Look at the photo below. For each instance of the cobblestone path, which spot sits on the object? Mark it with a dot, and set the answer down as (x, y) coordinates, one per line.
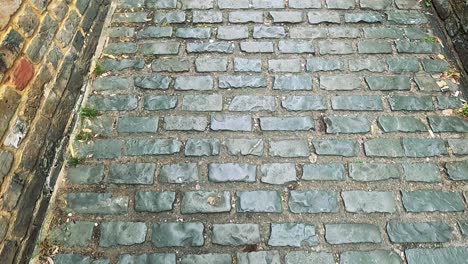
(268, 131)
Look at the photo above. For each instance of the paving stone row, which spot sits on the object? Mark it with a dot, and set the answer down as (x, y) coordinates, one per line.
(269, 131)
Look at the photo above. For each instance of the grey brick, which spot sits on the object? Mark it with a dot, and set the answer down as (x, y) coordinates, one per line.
(321, 64)
(411, 103)
(244, 147)
(185, 123)
(96, 203)
(307, 33)
(202, 147)
(304, 103)
(388, 83)
(160, 48)
(344, 82)
(292, 235)
(197, 4)
(329, 147)
(147, 258)
(406, 17)
(364, 17)
(212, 102)
(376, 256)
(380, 147)
(162, 17)
(178, 234)
(293, 82)
(218, 47)
(122, 233)
(357, 103)
(178, 173)
(450, 124)
(305, 4)
(199, 83)
(142, 147)
(203, 16)
(235, 234)
(231, 122)
(247, 65)
(259, 202)
(232, 32)
(421, 172)
(246, 17)
(111, 83)
(171, 65)
(383, 32)
(278, 173)
(336, 234)
(161, 4)
(432, 201)
(292, 47)
(258, 257)
(154, 202)
(403, 46)
(159, 102)
(399, 65)
(286, 123)
(256, 47)
(374, 47)
(312, 202)
(154, 81)
(233, 4)
(228, 172)
(252, 103)
(132, 173)
(341, 4)
(284, 65)
(286, 16)
(422, 147)
(437, 255)
(207, 259)
(193, 33)
(401, 124)
(457, 171)
(320, 16)
(335, 47)
(242, 81)
(208, 64)
(347, 124)
(113, 103)
(268, 3)
(323, 172)
(424, 232)
(458, 146)
(309, 257)
(269, 32)
(369, 202)
(365, 172)
(205, 202)
(86, 174)
(155, 32)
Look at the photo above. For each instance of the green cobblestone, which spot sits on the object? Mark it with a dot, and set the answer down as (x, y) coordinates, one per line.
(178, 234)
(289, 148)
(140, 147)
(390, 148)
(205, 202)
(344, 148)
(388, 83)
(421, 172)
(458, 146)
(432, 201)
(137, 125)
(202, 147)
(245, 147)
(365, 172)
(132, 173)
(154, 201)
(401, 124)
(122, 233)
(313, 202)
(147, 258)
(411, 103)
(96, 203)
(259, 202)
(178, 173)
(323, 172)
(425, 232)
(207, 259)
(336, 234)
(272, 257)
(278, 173)
(224, 172)
(415, 147)
(449, 124)
(375, 256)
(347, 124)
(152, 82)
(85, 174)
(293, 235)
(436, 255)
(309, 257)
(357, 103)
(369, 202)
(457, 171)
(304, 103)
(236, 234)
(317, 17)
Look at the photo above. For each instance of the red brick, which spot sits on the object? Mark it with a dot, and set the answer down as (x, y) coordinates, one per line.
(22, 73)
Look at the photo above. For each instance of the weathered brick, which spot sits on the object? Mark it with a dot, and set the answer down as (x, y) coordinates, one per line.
(259, 202)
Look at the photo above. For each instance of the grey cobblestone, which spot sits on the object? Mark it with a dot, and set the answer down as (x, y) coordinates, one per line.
(293, 235)
(259, 202)
(160, 102)
(177, 234)
(352, 233)
(211, 64)
(313, 202)
(236, 234)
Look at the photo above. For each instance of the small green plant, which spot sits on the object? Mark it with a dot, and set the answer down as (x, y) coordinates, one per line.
(98, 70)
(75, 161)
(463, 111)
(88, 112)
(430, 39)
(428, 3)
(84, 136)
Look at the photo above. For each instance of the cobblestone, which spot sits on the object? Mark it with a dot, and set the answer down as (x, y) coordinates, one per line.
(255, 132)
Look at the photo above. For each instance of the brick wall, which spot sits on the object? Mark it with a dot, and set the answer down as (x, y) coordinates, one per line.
(46, 48)
(454, 13)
